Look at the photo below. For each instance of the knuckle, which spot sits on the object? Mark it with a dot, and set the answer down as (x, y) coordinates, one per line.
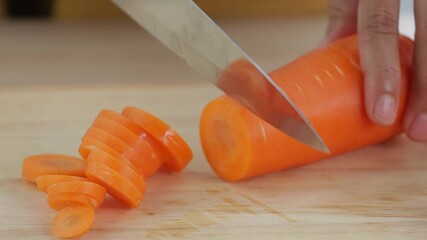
(387, 78)
(390, 72)
(383, 22)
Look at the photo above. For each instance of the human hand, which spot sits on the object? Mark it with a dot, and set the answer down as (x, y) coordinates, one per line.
(377, 22)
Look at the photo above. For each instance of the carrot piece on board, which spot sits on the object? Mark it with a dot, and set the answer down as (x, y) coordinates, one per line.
(108, 139)
(149, 160)
(43, 182)
(130, 154)
(327, 86)
(88, 144)
(73, 221)
(178, 152)
(93, 190)
(117, 186)
(45, 164)
(119, 118)
(59, 201)
(117, 165)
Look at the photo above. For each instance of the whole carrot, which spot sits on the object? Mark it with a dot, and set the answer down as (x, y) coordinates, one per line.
(327, 86)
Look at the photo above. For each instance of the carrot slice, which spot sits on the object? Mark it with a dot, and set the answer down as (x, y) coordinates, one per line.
(73, 221)
(108, 139)
(89, 143)
(179, 153)
(117, 165)
(45, 164)
(149, 160)
(43, 182)
(327, 86)
(117, 117)
(117, 185)
(120, 148)
(126, 152)
(93, 190)
(59, 201)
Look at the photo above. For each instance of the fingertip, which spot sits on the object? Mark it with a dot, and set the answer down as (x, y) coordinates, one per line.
(417, 128)
(385, 109)
(382, 98)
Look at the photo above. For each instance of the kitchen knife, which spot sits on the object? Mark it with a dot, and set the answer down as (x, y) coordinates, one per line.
(186, 30)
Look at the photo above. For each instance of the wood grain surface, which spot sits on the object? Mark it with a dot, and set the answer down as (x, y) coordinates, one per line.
(378, 192)
(375, 193)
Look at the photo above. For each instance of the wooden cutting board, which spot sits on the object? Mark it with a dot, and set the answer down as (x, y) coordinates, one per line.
(376, 193)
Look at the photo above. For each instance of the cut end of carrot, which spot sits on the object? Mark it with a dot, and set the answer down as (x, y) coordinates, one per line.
(73, 221)
(46, 164)
(178, 153)
(225, 139)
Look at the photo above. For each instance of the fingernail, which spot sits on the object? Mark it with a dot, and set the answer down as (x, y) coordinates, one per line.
(418, 129)
(385, 109)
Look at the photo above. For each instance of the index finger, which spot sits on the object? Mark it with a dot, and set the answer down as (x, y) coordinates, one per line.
(379, 56)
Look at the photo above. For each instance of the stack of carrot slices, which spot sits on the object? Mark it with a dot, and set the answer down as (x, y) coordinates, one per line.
(119, 151)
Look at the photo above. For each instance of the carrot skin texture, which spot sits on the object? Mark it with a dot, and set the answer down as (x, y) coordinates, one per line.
(327, 86)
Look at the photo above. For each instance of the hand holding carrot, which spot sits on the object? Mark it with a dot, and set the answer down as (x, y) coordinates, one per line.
(377, 25)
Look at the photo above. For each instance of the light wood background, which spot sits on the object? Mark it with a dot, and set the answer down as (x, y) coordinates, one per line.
(376, 193)
(66, 9)
(104, 9)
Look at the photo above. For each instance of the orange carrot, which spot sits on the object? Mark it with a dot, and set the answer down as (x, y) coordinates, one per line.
(119, 118)
(43, 182)
(149, 160)
(118, 154)
(117, 186)
(327, 86)
(59, 201)
(89, 144)
(140, 158)
(178, 152)
(117, 165)
(46, 164)
(93, 190)
(108, 139)
(73, 221)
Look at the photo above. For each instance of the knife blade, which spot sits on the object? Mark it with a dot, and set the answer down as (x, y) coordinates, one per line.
(186, 30)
